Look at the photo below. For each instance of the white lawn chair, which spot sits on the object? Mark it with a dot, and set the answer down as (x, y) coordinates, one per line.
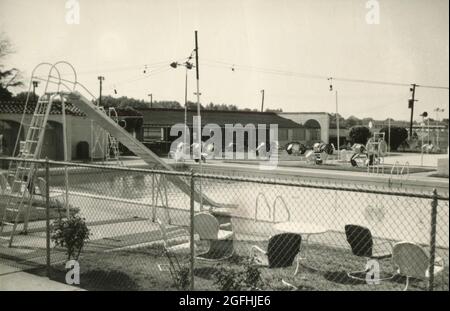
(175, 241)
(413, 262)
(220, 241)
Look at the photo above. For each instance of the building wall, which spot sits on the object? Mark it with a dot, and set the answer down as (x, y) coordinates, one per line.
(302, 117)
(78, 130)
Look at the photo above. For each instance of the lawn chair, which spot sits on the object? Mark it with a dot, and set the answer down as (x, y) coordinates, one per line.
(281, 252)
(413, 262)
(220, 240)
(362, 245)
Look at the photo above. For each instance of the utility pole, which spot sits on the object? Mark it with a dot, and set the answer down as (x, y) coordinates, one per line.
(151, 100)
(337, 127)
(100, 78)
(411, 106)
(199, 133)
(262, 101)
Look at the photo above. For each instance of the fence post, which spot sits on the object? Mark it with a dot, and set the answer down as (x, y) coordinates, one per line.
(191, 232)
(434, 204)
(47, 215)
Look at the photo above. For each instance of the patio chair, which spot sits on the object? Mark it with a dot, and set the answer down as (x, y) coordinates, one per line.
(220, 241)
(174, 241)
(281, 251)
(413, 262)
(362, 244)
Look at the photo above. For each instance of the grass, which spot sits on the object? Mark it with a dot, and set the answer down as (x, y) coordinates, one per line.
(137, 269)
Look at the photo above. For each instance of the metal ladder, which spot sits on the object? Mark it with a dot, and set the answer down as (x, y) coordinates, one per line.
(271, 209)
(22, 174)
(113, 143)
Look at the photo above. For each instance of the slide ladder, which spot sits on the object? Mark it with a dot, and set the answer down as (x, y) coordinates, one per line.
(22, 174)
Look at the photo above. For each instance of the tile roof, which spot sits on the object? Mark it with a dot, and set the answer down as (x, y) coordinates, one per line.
(14, 107)
(169, 117)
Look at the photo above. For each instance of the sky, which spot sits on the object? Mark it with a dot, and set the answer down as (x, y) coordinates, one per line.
(263, 40)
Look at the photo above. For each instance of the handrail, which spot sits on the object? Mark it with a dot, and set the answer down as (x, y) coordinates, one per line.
(406, 165)
(279, 197)
(261, 194)
(396, 165)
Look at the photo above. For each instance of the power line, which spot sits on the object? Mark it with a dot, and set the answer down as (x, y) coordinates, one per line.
(233, 67)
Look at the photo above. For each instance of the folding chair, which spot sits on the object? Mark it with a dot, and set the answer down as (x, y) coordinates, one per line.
(220, 241)
(281, 251)
(413, 262)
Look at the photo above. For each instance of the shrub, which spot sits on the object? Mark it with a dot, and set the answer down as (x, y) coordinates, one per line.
(359, 134)
(182, 278)
(398, 136)
(70, 233)
(246, 278)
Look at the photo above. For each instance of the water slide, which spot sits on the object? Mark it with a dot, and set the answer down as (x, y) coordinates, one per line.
(135, 146)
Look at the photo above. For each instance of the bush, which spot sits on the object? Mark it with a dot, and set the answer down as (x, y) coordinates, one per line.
(70, 233)
(398, 136)
(246, 278)
(359, 134)
(182, 278)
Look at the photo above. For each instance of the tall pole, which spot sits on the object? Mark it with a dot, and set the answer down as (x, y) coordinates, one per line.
(185, 111)
(199, 133)
(35, 85)
(389, 134)
(411, 106)
(337, 126)
(262, 101)
(151, 100)
(100, 79)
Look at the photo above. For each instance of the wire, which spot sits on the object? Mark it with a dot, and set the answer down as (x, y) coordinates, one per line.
(312, 76)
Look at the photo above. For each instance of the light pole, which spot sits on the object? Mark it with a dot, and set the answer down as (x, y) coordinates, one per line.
(423, 115)
(337, 118)
(100, 79)
(438, 110)
(188, 66)
(262, 101)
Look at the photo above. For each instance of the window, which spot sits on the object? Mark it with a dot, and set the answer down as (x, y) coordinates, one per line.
(298, 134)
(282, 134)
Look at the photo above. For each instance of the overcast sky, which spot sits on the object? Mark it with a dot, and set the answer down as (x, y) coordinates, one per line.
(117, 38)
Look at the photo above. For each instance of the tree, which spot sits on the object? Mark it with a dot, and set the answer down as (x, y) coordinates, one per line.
(22, 97)
(8, 77)
(359, 134)
(397, 137)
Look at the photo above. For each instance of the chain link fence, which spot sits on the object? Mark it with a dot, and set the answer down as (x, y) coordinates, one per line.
(151, 230)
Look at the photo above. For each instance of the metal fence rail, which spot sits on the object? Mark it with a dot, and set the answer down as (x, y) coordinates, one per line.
(147, 234)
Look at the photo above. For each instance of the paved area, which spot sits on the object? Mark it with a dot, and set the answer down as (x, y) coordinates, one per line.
(13, 279)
